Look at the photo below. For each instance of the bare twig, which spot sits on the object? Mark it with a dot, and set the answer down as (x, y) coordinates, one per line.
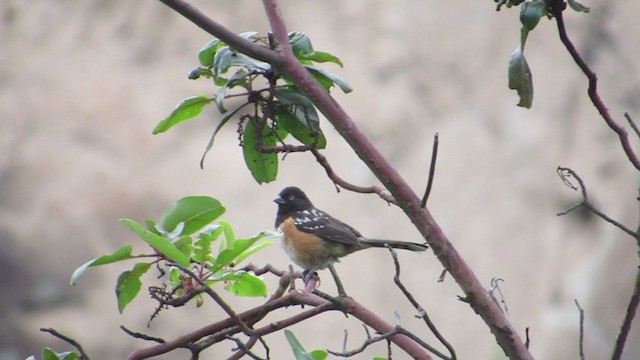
(232, 314)
(557, 7)
(633, 124)
(432, 171)
(566, 174)
(527, 341)
(339, 182)
(581, 340)
(421, 312)
(83, 354)
(634, 302)
(141, 336)
(243, 349)
(370, 340)
(495, 289)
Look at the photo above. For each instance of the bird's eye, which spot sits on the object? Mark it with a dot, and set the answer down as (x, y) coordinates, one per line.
(291, 197)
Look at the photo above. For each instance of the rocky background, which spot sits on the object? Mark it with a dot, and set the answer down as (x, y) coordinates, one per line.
(83, 83)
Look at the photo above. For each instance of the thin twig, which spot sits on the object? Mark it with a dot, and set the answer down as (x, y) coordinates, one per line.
(565, 174)
(527, 341)
(432, 171)
(421, 312)
(370, 340)
(243, 349)
(142, 336)
(232, 314)
(495, 288)
(339, 182)
(83, 354)
(625, 328)
(557, 7)
(632, 124)
(581, 341)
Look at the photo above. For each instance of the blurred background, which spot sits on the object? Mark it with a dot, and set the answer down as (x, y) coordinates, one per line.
(82, 84)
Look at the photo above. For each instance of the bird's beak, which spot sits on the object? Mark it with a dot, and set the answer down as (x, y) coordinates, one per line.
(279, 200)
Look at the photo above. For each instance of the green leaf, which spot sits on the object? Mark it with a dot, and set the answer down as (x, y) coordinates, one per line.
(520, 78)
(123, 253)
(229, 235)
(300, 44)
(380, 358)
(319, 354)
(531, 12)
(222, 61)
(185, 245)
(263, 166)
(129, 284)
(49, 354)
(151, 226)
(208, 52)
(242, 283)
(161, 244)
(187, 109)
(286, 120)
(194, 211)
(236, 78)
(322, 57)
(300, 106)
(222, 122)
(229, 255)
(576, 6)
(252, 250)
(298, 351)
(202, 250)
(344, 86)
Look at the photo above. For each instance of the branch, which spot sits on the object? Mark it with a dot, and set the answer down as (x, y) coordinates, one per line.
(83, 355)
(566, 174)
(557, 7)
(479, 300)
(285, 62)
(628, 319)
(421, 312)
(224, 34)
(370, 340)
(338, 181)
(432, 171)
(581, 341)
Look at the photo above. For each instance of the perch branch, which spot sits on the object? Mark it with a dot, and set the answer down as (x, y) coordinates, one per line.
(581, 341)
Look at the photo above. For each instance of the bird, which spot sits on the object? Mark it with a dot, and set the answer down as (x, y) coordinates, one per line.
(314, 240)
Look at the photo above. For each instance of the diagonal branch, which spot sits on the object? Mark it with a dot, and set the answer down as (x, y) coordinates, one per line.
(505, 334)
(223, 33)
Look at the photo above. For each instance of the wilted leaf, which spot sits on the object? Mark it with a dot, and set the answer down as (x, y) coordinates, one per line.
(520, 78)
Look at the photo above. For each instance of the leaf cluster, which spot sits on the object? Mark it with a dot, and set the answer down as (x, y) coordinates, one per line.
(520, 77)
(271, 107)
(184, 238)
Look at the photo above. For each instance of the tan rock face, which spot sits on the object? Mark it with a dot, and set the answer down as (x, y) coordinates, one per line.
(82, 85)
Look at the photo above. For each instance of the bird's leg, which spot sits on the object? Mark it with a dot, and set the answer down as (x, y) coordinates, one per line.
(341, 291)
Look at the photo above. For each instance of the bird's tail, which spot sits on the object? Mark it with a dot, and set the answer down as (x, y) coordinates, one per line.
(403, 245)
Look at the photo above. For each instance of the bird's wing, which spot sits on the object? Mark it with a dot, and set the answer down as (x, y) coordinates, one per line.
(325, 226)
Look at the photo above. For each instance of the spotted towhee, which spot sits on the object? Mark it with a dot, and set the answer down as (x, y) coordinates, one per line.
(314, 239)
